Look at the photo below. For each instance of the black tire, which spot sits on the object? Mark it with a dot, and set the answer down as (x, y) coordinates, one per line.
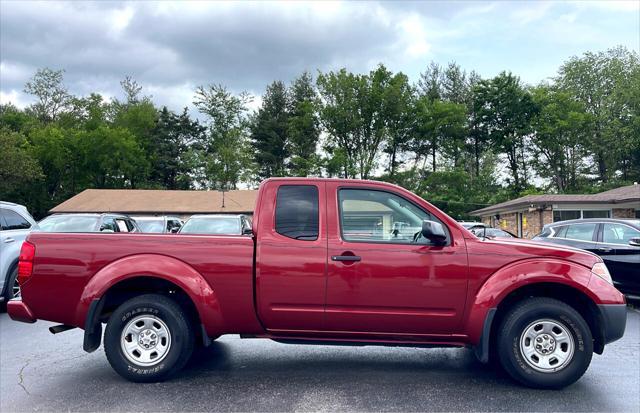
(180, 339)
(8, 288)
(524, 317)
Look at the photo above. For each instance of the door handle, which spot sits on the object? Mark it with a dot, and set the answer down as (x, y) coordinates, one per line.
(352, 258)
(604, 249)
(8, 240)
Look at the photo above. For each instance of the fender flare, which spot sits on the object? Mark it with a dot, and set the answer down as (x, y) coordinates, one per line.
(155, 266)
(511, 278)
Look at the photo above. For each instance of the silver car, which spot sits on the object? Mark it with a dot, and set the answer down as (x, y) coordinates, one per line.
(15, 224)
(217, 224)
(158, 224)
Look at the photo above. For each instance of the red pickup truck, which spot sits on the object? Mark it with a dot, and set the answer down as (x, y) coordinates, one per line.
(328, 262)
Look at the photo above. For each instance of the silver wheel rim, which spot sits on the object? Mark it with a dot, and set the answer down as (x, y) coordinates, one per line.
(547, 345)
(145, 340)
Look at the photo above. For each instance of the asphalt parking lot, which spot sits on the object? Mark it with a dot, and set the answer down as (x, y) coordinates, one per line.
(43, 372)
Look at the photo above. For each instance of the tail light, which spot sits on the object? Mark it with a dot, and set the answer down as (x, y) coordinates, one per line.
(25, 263)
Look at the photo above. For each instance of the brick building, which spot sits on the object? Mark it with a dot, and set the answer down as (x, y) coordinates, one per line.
(527, 215)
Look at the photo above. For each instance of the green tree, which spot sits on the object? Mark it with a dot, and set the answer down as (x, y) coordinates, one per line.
(602, 82)
(430, 82)
(113, 158)
(18, 169)
(304, 127)
(560, 129)
(504, 109)
(225, 157)
(399, 102)
(51, 94)
(172, 139)
(353, 116)
(269, 132)
(441, 130)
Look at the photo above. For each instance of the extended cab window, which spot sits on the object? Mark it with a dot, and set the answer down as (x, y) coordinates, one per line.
(378, 216)
(297, 212)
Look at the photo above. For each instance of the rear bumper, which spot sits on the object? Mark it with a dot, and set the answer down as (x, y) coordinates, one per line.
(614, 321)
(19, 311)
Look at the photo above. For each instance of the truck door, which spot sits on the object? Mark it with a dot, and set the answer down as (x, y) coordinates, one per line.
(383, 277)
(291, 256)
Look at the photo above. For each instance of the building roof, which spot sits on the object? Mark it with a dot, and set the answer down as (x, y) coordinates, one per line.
(145, 201)
(628, 193)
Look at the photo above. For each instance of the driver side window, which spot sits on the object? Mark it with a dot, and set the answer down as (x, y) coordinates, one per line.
(378, 216)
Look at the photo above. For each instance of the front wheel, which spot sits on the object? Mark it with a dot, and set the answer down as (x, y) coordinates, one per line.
(544, 343)
(148, 338)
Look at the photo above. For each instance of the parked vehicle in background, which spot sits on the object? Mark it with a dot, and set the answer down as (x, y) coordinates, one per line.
(158, 224)
(329, 261)
(88, 223)
(617, 241)
(471, 224)
(488, 232)
(15, 224)
(217, 224)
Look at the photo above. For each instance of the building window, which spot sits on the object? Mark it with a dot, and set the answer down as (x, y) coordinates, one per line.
(637, 213)
(566, 214)
(595, 213)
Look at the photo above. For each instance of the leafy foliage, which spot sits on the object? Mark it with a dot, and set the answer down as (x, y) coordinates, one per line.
(460, 141)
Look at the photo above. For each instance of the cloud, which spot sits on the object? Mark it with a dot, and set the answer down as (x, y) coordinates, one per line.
(172, 47)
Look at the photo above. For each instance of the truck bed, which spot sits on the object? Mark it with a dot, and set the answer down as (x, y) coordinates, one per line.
(66, 263)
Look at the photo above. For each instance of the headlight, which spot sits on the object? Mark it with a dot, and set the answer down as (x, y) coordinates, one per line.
(601, 271)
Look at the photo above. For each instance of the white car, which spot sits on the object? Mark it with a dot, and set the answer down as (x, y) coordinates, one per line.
(15, 224)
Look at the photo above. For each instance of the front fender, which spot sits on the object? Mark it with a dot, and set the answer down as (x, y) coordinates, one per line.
(159, 266)
(517, 275)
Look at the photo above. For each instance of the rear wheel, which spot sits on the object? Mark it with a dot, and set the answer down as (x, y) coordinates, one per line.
(11, 288)
(544, 343)
(148, 338)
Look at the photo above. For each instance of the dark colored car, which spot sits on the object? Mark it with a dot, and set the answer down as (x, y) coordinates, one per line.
(88, 223)
(617, 241)
(158, 224)
(488, 232)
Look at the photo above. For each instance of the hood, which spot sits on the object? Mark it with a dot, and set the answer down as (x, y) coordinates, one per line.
(516, 247)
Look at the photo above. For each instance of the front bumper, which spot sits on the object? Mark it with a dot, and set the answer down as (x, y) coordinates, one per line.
(614, 321)
(19, 311)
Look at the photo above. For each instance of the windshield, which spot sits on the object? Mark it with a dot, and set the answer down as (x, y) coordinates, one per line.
(151, 225)
(68, 223)
(211, 225)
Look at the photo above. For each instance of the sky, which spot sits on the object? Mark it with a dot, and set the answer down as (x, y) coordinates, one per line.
(170, 48)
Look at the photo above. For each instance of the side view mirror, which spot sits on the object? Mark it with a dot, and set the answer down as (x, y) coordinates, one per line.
(635, 242)
(106, 230)
(174, 230)
(434, 231)
(247, 231)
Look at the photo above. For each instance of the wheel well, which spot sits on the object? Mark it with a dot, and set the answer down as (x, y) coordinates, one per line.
(132, 287)
(568, 295)
(10, 270)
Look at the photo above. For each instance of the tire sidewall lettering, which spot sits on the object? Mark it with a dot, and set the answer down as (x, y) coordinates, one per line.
(146, 310)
